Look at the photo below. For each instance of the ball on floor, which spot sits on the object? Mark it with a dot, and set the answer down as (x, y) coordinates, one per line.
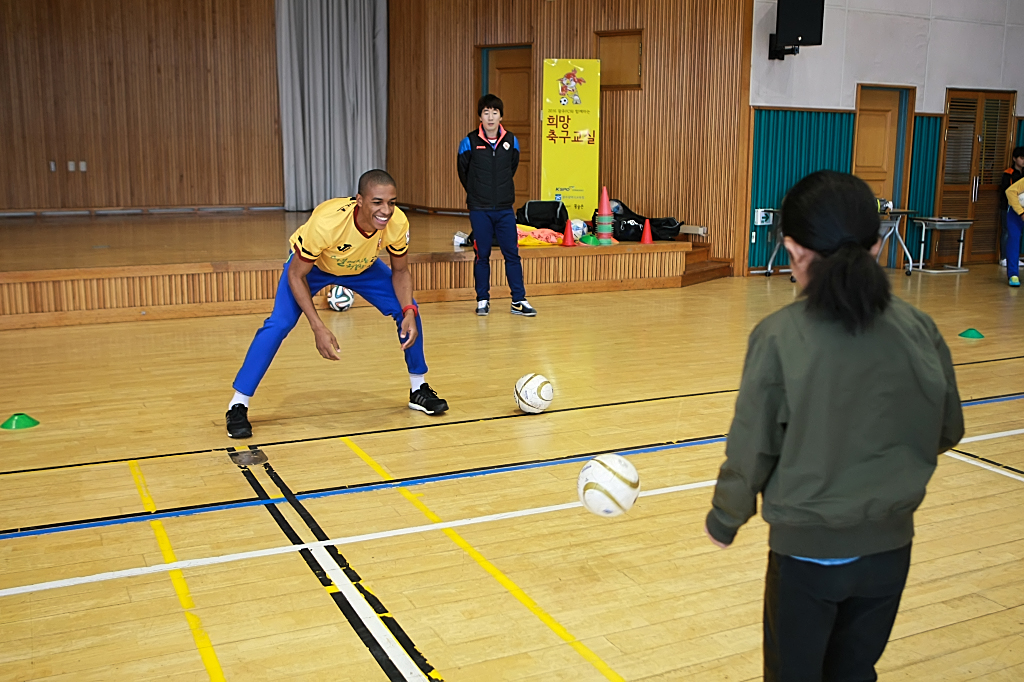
(533, 393)
(608, 485)
(339, 298)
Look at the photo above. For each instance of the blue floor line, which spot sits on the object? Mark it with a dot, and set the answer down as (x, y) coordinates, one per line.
(347, 491)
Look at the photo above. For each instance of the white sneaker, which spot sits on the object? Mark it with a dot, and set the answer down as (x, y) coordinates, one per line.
(1002, 263)
(483, 308)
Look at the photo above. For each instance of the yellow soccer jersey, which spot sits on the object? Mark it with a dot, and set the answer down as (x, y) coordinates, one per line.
(332, 241)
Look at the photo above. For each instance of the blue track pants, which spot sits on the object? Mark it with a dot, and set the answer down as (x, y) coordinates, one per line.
(373, 284)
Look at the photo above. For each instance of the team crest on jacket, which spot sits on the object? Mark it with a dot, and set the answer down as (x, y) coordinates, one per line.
(505, 146)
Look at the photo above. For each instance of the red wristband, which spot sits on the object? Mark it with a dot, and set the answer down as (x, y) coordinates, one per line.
(413, 308)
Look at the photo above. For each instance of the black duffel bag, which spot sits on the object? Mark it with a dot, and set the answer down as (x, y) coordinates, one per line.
(550, 215)
(628, 226)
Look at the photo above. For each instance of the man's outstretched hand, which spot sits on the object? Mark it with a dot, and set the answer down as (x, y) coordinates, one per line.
(326, 343)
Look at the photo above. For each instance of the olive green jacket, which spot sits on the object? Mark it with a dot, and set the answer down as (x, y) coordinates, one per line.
(839, 433)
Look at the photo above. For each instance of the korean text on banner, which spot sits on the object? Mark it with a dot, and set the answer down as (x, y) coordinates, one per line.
(571, 121)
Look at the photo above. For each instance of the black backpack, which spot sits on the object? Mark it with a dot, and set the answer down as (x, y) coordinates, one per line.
(550, 215)
(628, 226)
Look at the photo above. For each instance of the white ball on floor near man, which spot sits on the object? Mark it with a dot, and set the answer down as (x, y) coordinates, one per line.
(533, 393)
(608, 485)
(339, 298)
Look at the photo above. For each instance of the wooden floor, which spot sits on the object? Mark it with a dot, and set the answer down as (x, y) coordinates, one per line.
(130, 468)
(174, 238)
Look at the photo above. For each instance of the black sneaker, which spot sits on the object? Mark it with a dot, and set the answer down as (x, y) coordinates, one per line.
(484, 309)
(238, 421)
(523, 308)
(425, 400)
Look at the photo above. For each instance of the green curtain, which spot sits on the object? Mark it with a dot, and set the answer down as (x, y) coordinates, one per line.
(788, 145)
(924, 174)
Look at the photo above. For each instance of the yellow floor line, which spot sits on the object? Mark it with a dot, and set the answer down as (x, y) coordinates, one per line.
(202, 639)
(493, 570)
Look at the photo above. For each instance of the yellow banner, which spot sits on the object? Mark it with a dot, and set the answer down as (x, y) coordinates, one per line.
(572, 119)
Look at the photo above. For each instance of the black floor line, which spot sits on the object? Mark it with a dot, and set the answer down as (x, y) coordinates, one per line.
(382, 612)
(986, 460)
(397, 429)
(344, 605)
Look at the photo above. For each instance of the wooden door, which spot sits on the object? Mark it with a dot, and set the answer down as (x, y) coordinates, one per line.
(877, 130)
(977, 140)
(510, 77)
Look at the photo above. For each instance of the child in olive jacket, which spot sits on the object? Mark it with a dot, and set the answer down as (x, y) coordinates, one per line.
(847, 398)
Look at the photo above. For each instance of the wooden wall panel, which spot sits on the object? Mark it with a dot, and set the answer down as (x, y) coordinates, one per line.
(169, 102)
(504, 22)
(430, 106)
(679, 146)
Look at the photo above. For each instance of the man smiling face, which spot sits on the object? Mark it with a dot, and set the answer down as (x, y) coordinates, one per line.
(376, 206)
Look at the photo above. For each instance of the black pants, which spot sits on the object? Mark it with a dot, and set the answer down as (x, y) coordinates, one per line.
(496, 226)
(830, 622)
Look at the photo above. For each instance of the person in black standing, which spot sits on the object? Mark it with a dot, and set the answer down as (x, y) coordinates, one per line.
(1011, 175)
(488, 158)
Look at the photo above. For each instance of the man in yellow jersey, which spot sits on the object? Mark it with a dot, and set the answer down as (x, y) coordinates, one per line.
(339, 245)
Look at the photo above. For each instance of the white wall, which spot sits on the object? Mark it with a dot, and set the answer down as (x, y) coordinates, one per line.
(932, 44)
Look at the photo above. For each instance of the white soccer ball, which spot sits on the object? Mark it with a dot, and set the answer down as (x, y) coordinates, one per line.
(579, 228)
(564, 101)
(533, 393)
(608, 485)
(339, 298)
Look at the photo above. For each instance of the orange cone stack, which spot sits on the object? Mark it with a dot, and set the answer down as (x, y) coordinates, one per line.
(646, 237)
(567, 239)
(603, 222)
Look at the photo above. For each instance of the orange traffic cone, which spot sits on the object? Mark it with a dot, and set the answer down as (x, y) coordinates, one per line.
(567, 239)
(646, 237)
(604, 207)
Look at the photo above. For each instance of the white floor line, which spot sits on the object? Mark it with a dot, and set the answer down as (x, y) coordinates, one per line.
(373, 623)
(410, 530)
(992, 436)
(287, 549)
(983, 465)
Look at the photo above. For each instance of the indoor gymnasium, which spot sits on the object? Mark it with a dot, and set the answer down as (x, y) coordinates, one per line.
(701, 364)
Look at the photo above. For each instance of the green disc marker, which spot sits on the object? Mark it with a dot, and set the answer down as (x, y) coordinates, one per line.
(971, 333)
(19, 420)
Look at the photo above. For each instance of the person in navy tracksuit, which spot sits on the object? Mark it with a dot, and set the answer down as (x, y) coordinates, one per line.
(488, 158)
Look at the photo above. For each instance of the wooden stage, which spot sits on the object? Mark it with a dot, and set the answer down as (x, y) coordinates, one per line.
(57, 271)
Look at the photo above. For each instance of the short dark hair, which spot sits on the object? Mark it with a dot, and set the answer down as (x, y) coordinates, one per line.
(1017, 152)
(490, 101)
(375, 178)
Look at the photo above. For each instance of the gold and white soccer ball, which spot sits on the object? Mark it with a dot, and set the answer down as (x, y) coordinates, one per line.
(608, 485)
(533, 393)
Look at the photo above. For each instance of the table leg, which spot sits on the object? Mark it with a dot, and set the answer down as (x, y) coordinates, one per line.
(924, 235)
(906, 251)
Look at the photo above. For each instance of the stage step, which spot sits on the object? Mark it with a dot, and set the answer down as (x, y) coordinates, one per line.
(705, 271)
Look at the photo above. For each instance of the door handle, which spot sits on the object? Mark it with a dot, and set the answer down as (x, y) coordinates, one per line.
(974, 188)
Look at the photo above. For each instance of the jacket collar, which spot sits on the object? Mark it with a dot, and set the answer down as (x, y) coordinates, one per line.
(483, 136)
